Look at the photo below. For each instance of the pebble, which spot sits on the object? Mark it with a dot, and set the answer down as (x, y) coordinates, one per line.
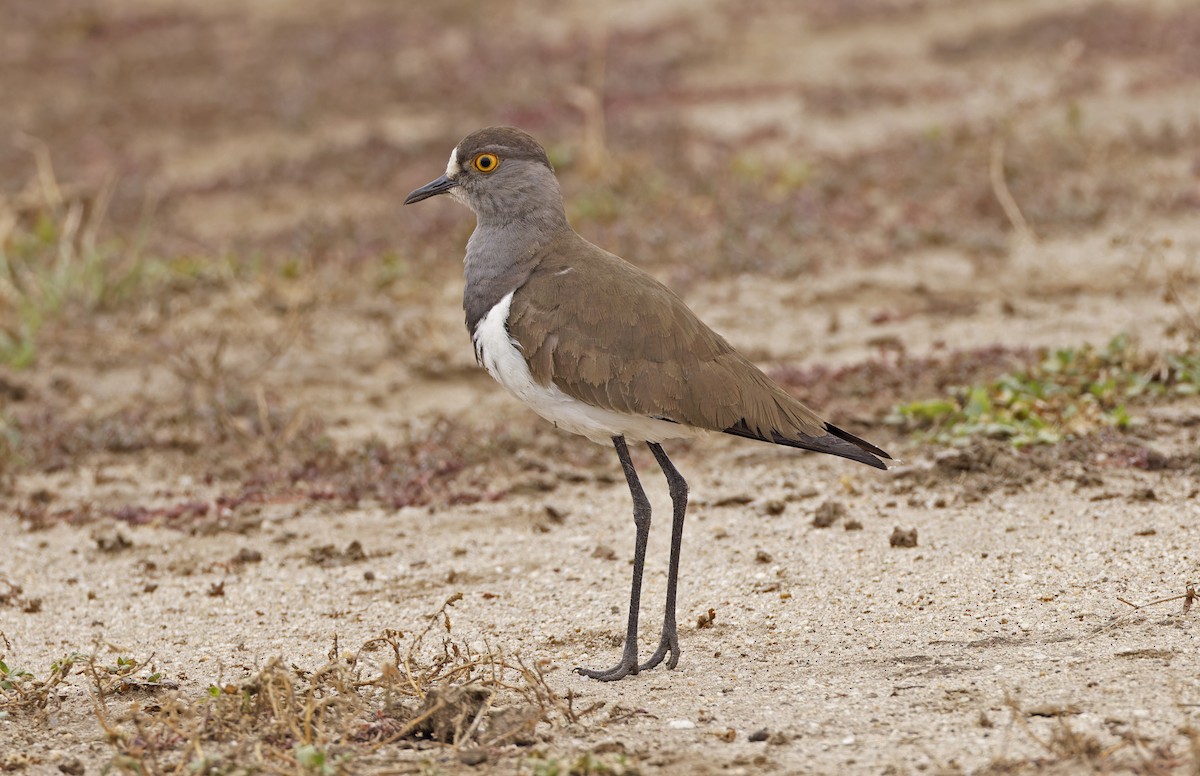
(473, 756)
(681, 724)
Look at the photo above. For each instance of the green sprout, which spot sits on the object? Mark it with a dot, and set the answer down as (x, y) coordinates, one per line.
(1069, 392)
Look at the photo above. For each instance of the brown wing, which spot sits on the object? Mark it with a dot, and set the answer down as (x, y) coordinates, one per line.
(608, 334)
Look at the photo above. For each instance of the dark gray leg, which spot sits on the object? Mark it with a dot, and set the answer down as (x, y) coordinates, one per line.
(679, 495)
(641, 521)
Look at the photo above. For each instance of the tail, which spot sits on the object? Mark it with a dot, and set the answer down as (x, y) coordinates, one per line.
(836, 442)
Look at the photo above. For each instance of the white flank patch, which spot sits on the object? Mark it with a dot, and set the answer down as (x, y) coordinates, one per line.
(502, 358)
(452, 165)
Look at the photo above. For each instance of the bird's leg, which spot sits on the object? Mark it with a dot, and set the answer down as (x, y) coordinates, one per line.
(641, 521)
(679, 495)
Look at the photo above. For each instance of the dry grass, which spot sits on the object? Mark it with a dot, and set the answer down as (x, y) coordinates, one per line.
(1068, 748)
(394, 694)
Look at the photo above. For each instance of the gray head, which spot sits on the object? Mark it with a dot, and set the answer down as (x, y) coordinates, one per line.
(502, 174)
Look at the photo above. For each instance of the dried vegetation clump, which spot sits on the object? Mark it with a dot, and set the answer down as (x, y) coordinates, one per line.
(1067, 747)
(395, 693)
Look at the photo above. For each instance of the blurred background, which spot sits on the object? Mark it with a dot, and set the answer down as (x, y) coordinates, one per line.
(202, 247)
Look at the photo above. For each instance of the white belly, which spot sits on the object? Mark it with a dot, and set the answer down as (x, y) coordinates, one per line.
(503, 360)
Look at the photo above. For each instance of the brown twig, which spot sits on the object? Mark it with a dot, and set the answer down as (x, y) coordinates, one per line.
(1001, 191)
(1188, 596)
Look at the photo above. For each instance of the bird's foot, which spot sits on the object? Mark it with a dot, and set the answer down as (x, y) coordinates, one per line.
(627, 667)
(668, 644)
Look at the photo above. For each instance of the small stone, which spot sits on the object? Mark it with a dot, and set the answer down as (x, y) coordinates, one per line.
(759, 735)
(762, 556)
(681, 724)
(902, 538)
(72, 767)
(610, 747)
(828, 513)
(473, 756)
(852, 525)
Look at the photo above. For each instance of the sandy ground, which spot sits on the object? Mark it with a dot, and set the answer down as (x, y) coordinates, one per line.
(851, 653)
(998, 643)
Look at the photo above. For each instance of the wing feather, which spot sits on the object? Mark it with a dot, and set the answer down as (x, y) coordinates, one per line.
(632, 346)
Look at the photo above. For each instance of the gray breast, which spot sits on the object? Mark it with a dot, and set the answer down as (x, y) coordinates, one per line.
(499, 260)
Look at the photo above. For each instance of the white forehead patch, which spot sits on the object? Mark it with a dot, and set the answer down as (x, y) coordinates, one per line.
(452, 166)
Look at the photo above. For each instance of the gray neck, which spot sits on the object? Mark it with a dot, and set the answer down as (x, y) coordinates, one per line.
(507, 243)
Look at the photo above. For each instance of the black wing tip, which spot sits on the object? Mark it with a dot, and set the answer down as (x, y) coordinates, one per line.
(837, 442)
(858, 442)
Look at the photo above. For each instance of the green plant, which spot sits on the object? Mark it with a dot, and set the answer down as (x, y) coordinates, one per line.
(1068, 392)
(21, 690)
(52, 259)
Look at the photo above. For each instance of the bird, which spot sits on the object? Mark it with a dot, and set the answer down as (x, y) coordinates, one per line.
(601, 348)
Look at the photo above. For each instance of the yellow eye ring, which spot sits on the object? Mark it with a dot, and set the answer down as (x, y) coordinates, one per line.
(486, 162)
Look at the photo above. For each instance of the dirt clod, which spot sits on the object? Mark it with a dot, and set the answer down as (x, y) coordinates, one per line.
(1052, 710)
(828, 513)
(447, 712)
(111, 540)
(1143, 494)
(774, 507)
(329, 555)
(903, 538)
(246, 555)
(72, 767)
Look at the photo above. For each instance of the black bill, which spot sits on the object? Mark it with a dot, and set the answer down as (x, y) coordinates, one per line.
(431, 189)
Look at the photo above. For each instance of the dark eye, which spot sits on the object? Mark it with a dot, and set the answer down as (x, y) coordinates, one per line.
(486, 162)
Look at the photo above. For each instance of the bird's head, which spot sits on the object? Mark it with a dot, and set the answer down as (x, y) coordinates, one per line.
(501, 173)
